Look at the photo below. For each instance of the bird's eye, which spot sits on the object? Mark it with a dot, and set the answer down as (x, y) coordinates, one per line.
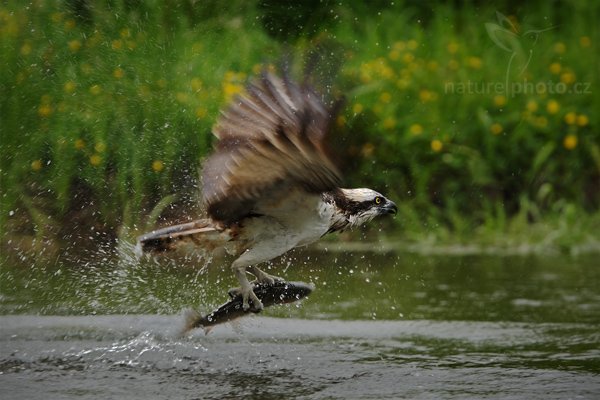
(377, 200)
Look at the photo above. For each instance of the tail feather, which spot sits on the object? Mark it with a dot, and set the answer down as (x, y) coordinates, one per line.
(169, 238)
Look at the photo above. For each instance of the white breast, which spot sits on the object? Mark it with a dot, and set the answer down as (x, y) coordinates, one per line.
(302, 217)
(294, 219)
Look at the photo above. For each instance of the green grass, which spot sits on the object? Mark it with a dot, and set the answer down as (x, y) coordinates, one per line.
(106, 112)
(106, 119)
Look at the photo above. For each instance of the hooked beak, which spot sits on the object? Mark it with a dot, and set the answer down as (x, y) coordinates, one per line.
(389, 208)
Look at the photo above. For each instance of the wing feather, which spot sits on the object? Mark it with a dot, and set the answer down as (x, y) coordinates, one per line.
(272, 138)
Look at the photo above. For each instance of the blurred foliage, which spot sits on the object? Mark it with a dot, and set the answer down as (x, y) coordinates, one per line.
(106, 107)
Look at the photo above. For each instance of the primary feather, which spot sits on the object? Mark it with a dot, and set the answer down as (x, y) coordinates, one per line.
(269, 139)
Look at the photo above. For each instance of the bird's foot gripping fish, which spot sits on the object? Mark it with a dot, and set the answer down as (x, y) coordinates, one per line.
(278, 292)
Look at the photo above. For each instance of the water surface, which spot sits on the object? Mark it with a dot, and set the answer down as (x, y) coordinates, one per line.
(377, 326)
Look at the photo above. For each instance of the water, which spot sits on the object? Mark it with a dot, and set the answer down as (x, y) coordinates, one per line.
(378, 326)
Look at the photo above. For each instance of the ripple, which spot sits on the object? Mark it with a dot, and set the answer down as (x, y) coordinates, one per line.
(87, 357)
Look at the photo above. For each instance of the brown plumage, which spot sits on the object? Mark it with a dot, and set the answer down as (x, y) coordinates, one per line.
(270, 184)
(270, 139)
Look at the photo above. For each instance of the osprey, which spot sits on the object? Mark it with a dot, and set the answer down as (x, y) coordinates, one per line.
(270, 185)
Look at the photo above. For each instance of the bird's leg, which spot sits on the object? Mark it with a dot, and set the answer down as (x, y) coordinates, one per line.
(263, 277)
(246, 289)
(258, 253)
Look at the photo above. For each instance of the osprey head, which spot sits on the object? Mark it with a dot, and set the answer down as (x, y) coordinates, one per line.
(362, 205)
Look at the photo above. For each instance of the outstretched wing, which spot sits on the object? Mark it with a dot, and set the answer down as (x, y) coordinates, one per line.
(270, 139)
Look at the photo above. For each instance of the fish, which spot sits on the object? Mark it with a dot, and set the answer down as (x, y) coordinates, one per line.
(279, 292)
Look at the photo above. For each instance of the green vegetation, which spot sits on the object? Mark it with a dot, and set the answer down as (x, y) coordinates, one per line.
(476, 130)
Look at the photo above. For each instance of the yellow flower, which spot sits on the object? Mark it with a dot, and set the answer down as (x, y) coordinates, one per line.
(394, 55)
(552, 107)
(79, 144)
(474, 62)
(496, 129)
(118, 73)
(86, 68)
(26, 49)
(415, 129)
(426, 96)
(452, 47)
(437, 145)
(389, 123)
(196, 84)
(385, 97)
(340, 121)
(541, 122)
(499, 100)
(95, 89)
(570, 118)
(95, 160)
(357, 108)
(585, 41)
(541, 90)
(125, 33)
(197, 48)
(70, 24)
(412, 44)
(400, 45)
(116, 44)
(453, 64)
(560, 48)
(95, 39)
(567, 77)
(231, 89)
(555, 68)
(408, 58)
(532, 106)
(432, 65)
(69, 87)
(582, 120)
(157, 165)
(201, 112)
(182, 97)
(367, 149)
(570, 142)
(74, 45)
(403, 83)
(161, 83)
(234, 76)
(100, 147)
(57, 17)
(45, 110)
(21, 77)
(144, 91)
(36, 165)
(365, 77)
(257, 68)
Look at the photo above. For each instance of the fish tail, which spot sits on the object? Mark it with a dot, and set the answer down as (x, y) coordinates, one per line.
(191, 320)
(202, 232)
